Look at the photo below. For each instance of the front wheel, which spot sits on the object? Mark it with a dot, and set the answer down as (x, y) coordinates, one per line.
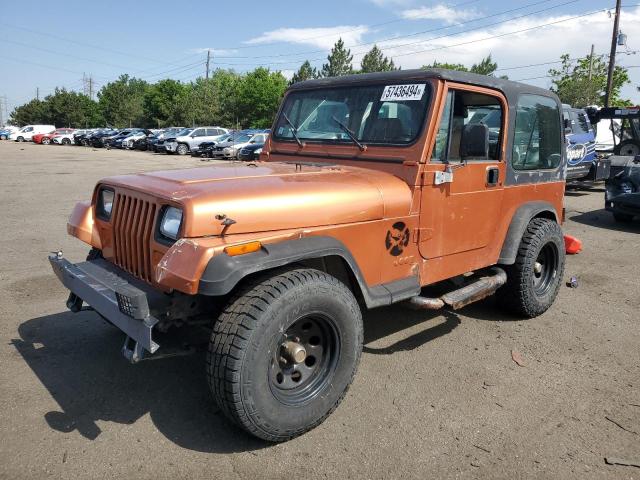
(284, 352)
(66, 141)
(534, 279)
(3, 137)
(628, 148)
(46, 141)
(182, 149)
(20, 139)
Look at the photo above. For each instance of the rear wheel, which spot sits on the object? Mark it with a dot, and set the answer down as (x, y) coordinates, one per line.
(66, 141)
(534, 279)
(284, 352)
(3, 137)
(20, 139)
(628, 147)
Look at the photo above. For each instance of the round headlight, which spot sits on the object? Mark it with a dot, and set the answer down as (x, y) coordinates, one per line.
(170, 224)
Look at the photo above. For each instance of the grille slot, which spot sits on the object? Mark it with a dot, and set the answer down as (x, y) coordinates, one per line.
(133, 220)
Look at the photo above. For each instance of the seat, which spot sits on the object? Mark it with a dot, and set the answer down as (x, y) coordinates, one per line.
(387, 130)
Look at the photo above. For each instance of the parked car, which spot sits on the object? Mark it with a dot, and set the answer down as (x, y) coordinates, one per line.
(184, 144)
(64, 138)
(230, 148)
(251, 151)
(357, 207)
(129, 141)
(170, 144)
(156, 142)
(6, 131)
(26, 133)
(622, 194)
(45, 138)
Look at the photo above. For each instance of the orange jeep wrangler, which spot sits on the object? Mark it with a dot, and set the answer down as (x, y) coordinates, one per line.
(369, 189)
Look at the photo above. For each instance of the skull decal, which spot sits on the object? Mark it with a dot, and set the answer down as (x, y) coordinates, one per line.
(397, 238)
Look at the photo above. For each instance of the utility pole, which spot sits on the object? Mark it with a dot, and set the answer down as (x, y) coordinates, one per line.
(591, 63)
(37, 93)
(208, 60)
(2, 100)
(612, 55)
(91, 87)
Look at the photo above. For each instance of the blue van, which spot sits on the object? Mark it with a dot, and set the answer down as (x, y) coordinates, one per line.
(581, 143)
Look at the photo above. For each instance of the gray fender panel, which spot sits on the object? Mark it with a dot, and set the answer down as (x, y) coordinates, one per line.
(519, 222)
(223, 272)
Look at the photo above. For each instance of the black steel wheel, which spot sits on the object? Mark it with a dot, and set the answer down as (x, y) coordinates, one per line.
(534, 279)
(284, 352)
(304, 358)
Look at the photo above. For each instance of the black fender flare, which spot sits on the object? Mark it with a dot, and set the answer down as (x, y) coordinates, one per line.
(521, 218)
(223, 272)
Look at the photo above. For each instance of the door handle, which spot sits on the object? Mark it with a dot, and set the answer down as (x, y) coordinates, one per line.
(493, 176)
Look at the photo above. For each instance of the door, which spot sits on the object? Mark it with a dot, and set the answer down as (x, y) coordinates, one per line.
(462, 189)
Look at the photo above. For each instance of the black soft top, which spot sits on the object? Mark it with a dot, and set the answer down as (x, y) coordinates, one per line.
(510, 89)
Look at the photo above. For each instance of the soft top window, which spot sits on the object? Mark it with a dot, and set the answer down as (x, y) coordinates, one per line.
(374, 114)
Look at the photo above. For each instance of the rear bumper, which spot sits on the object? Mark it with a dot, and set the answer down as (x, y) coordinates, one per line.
(113, 296)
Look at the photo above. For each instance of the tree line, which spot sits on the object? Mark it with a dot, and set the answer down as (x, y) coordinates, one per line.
(250, 100)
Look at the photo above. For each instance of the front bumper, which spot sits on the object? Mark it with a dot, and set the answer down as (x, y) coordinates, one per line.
(106, 289)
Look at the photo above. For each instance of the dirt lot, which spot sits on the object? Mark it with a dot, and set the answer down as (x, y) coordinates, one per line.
(437, 395)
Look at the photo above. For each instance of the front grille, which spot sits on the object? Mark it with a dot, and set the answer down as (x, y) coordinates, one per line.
(133, 221)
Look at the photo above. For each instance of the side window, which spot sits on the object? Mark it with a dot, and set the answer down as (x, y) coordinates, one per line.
(537, 142)
(199, 132)
(463, 113)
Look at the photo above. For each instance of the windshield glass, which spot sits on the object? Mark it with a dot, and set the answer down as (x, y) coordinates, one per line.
(185, 132)
(375, 114)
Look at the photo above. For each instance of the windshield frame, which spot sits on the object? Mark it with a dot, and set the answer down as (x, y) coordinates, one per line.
(430, 92)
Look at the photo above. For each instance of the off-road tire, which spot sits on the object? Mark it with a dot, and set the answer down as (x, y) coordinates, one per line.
(520, 295)
(246, 337)
(182, 149)
(622, 217)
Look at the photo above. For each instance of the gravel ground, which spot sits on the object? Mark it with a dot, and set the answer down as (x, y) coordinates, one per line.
(437, 395)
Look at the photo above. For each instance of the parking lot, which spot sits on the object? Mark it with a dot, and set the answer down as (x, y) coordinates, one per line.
(437, 394)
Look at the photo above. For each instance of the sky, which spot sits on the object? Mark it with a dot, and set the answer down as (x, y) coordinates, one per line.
(49, 45)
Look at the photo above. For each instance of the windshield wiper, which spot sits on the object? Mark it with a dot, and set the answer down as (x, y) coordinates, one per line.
(352, 136)
(294, 130)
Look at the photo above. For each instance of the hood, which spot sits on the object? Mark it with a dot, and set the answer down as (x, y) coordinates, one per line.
(273, 196)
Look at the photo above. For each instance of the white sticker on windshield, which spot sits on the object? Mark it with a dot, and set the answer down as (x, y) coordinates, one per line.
(402, 93)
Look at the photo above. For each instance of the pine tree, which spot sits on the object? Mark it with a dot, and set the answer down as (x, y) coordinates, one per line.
(485, 67)
(305, 72)
(339, 61)
(375, 61)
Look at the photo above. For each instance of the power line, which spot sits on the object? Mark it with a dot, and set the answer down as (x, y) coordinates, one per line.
(380, 41)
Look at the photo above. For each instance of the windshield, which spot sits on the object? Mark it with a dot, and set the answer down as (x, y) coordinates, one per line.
(185, 132)
(375, 114)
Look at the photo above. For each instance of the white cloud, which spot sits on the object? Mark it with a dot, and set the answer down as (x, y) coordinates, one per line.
(321, 37)
(538, 45)
(439, 12)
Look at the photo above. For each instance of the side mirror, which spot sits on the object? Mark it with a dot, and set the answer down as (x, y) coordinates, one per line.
(474, 142)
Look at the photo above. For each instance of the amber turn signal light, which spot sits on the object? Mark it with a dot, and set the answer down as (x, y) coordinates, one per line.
(243, 248)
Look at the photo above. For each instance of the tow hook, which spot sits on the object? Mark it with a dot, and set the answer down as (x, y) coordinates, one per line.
(74, 303)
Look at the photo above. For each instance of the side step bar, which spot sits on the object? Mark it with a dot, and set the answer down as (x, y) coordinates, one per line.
(481, 288)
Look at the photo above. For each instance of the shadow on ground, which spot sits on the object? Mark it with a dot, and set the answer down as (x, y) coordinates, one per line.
(77, 358)
(603, 219)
